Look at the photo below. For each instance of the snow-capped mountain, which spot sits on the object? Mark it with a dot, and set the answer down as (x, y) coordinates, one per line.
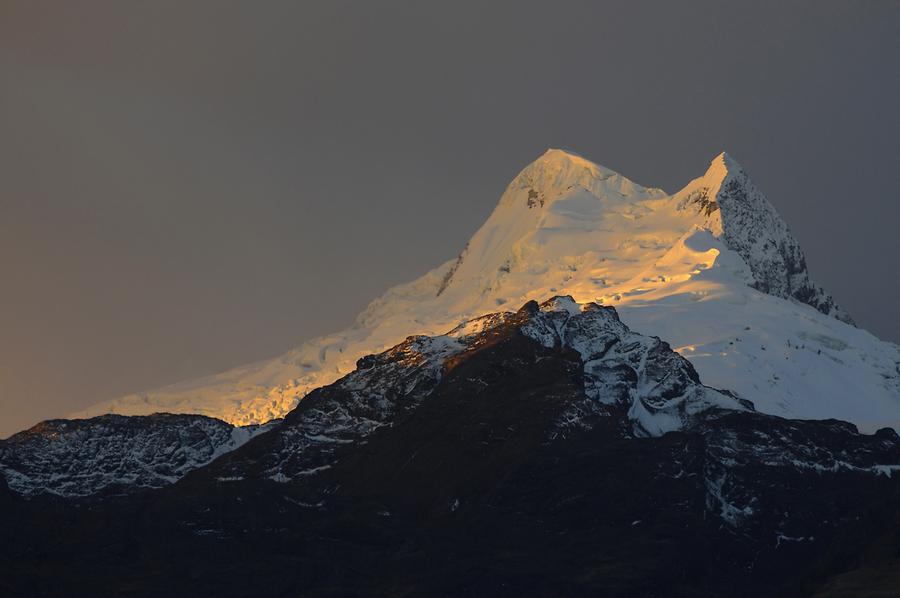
(711, 269)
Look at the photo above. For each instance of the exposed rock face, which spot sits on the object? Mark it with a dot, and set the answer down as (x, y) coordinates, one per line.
(545, 451)
(621, 371)
(113, 453)
(751, 226)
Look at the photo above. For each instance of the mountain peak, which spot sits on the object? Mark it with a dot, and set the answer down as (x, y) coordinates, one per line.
(559, 167)
(563, 155)
(725, 158)
(720, 168)
(739, 213)
(559, 172)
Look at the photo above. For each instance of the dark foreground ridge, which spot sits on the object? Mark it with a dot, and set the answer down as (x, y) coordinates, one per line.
(545, 452)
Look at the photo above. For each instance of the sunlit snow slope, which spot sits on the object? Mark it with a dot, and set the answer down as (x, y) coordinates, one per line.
(712, 269)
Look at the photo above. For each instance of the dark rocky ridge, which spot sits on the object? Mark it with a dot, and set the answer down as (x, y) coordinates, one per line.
(113, 454)
(510, 463)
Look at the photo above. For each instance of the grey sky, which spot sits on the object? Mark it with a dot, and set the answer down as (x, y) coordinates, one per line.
(187, 186)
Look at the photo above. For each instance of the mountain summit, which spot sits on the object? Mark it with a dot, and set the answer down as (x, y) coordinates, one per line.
(740, 214)
(561, 205)
(712, 269)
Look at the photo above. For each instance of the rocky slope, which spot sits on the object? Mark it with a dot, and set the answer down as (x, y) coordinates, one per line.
(658, 389)
(620, 371)
(712, 269)
(114, 454)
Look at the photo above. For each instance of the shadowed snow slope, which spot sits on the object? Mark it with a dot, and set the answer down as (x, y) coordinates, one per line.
(712, 269)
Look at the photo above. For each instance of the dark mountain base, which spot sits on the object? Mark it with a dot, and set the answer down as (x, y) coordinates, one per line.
(478, 491)
(601, 518)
